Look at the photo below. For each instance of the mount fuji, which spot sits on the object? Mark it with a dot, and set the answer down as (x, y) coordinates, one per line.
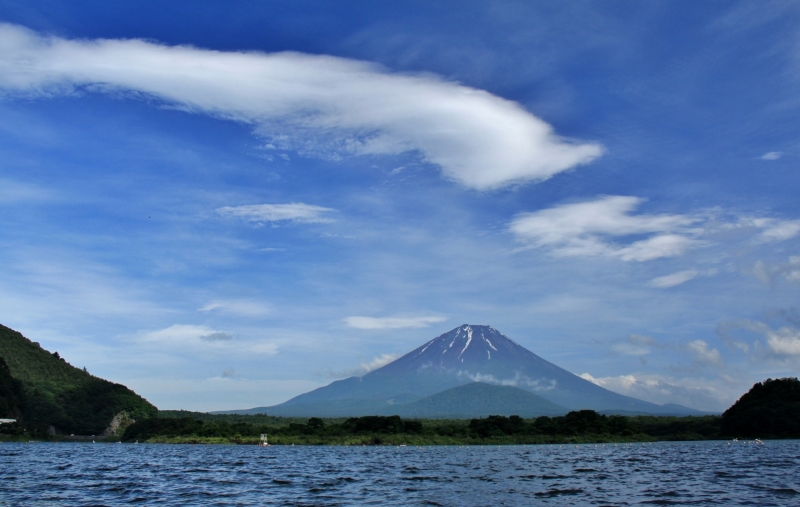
(438, 379)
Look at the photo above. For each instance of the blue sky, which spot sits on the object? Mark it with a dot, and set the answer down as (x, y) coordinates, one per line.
(223, 207)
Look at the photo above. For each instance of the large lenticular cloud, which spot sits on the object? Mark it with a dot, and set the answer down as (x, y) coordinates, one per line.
(336, 105)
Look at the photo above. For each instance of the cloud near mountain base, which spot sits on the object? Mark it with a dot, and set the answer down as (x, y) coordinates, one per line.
(697, 394)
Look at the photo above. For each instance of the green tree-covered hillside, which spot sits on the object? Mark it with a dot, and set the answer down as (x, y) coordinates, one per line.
(57, 394)
(11, 394)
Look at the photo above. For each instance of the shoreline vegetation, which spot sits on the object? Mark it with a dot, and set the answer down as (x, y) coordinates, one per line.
(585, 426)
(580, 427)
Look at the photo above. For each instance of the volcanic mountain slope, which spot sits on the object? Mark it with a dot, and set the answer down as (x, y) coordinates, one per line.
(478, 400)
(464, 355)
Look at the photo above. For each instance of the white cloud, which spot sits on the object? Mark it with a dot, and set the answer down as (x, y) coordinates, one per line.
(703, 354)
(583, 229)
(772, 155)
(379, 361)
(767, 229)
(790, 270)
(240, 307)
(779, 230)
(784, 342)
(518, 380)
(295, 212)
(391, 322)
(319, 104)
(773, 345)
(695, 393)
(674, 279)
(662, 245)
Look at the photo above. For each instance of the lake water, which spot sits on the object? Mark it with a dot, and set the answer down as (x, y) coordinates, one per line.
(687, 473)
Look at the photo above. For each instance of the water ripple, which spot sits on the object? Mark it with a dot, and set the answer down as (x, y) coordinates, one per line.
(687, 473)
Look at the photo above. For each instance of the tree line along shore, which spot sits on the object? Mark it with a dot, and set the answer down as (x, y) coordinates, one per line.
(583, 426)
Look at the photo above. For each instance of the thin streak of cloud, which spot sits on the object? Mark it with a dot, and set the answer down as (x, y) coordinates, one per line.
(217, 337)
(391, 322)
(680, 277)
(294, 212)
(674, 279)
(182, 333)
(240, 307)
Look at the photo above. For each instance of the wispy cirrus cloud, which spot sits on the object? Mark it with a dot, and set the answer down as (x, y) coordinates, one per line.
(674, 279)
(679, 278)
(391, 322)
(601, 226)
(318, 104)
(293, 212)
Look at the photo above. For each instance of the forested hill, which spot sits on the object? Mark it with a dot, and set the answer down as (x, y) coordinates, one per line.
(55, 393)
(771, 409)
(11, 393)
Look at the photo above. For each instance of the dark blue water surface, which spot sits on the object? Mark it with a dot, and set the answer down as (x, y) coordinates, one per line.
(686, 473)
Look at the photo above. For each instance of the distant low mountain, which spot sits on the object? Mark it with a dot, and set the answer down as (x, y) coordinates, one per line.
(56, 394)
(464, 355)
